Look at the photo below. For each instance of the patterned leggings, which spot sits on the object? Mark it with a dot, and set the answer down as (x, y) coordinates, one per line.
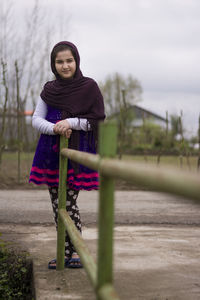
(73, 211)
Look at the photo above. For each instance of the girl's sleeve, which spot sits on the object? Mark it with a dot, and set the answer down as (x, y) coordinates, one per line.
(40, 123)
(79, 124)
(38, 120)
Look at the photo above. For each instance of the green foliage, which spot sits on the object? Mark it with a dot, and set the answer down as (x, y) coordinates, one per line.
(152, 138)
(148, 137)
(15, 275)
(12, 144)
(119, 94)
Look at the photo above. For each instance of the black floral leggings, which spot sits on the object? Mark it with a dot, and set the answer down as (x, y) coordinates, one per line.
(72, 210)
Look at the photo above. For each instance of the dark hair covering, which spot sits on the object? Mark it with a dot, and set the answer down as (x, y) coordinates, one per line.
(62, 46)
(79, 96)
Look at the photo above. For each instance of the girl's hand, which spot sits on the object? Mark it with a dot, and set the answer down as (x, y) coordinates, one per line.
(68, 133)
(63, 128)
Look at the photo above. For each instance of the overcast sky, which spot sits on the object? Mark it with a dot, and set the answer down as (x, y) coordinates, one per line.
(156, 41)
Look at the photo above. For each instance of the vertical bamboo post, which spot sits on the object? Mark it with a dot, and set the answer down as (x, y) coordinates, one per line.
(61, 204)
(19, 142)
(121, 129)
(167, 123)
(4, 109)
(198, 162)
(107, 148)
(181, 140)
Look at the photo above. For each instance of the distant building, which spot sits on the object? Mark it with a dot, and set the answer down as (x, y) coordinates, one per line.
(140, 115)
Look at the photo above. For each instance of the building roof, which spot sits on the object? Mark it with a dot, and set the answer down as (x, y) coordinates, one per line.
(28, 112)
(140, 112)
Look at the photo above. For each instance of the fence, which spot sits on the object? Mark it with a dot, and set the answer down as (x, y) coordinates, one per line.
(156, 178)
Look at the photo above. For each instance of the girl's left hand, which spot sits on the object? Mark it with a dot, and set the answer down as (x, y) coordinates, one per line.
(68, 133)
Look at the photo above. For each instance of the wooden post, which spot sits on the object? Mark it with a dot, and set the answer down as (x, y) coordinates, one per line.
(107, 148)
(181, 140)
(167, 123)
(198, 162)
(4, 109)
(61, 204)
(19, 142)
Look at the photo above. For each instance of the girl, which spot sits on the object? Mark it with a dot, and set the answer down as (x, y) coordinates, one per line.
(71, 105)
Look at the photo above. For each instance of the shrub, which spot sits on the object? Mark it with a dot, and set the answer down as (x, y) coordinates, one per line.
(15, 274)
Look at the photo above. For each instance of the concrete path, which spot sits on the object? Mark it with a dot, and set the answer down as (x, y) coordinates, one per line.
(157, 242)
(131, 207)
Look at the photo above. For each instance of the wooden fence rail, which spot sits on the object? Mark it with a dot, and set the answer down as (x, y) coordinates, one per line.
(140, 174)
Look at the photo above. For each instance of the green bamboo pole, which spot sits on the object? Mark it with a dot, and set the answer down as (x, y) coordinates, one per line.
(176, 182)
(163, 179)
(167, 123)
(19, 142)
(61, 205)
(107, 148)
(77, 240)
(198, 162)
(107, 292)
(92, 160)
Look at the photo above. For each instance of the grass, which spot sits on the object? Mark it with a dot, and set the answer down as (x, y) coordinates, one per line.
(9, 168)
(170, 161)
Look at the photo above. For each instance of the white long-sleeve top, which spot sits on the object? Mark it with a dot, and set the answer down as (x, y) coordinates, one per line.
(43, 126)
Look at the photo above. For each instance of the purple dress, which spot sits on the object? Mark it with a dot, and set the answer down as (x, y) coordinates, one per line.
(45, 167)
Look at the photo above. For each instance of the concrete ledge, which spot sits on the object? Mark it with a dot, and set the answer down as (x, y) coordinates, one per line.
(150, 262)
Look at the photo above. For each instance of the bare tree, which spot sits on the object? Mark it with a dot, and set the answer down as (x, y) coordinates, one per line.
(26, 41)
(19, 142)
(198, 162)
(4, 109)
(112, 88)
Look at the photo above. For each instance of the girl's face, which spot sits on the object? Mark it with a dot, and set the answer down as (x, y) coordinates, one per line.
(65, 64)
